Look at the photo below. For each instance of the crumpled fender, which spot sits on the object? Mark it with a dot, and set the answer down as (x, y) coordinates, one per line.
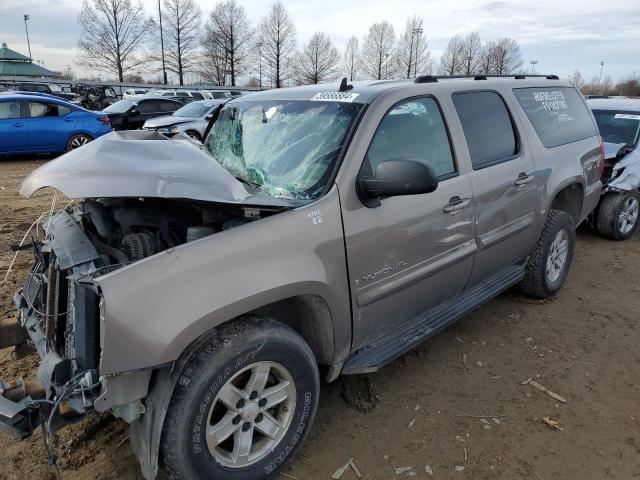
(626, 173)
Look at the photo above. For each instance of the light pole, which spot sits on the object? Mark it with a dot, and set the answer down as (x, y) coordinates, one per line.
(415, 32)
(164, 70)
(26, 17)
(386, 66)
(533, 66)
(259, 45)
(600, 78)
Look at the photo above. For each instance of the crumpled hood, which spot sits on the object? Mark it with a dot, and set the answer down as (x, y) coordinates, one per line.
(142, 163)
(629, 176)
(166, 121)
(611, 150)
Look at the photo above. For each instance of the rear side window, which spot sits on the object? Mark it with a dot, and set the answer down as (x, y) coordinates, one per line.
(150, 106)
(37, 110)
(182, 94)
(487, 127)
(169, 106)
(558, 114)
(197, 95)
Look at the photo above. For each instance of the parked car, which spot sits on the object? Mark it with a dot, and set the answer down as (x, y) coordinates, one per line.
(191, 119)
(178, 93)
(335, 226)
(37, 124)
(94, 97)
(132, 92)
(218, 94)
(131, 113)
(49, 88)
(618, 120)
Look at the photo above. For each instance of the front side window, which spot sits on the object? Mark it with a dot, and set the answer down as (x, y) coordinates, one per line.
(37, 110)
(286, 148)
(558, 114)
(120, 106)
(413, 130)
(9, 110)
(487, 127)
(147, 107)
(618, 127)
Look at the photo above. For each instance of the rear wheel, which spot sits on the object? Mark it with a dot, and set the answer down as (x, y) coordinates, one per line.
(551, 258)
(243, 406)
(77, 141)
(618, 215)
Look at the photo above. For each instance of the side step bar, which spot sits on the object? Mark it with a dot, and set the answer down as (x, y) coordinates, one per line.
(391, 346)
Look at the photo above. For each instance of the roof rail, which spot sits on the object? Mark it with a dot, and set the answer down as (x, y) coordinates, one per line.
(520, 76)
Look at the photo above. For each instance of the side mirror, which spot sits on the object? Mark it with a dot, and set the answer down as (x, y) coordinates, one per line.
(397, 177)
(209, 117)
(134, 111)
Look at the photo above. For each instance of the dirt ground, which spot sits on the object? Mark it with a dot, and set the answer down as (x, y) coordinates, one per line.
(457, 404)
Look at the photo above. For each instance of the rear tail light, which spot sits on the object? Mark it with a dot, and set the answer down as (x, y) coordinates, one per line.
(104, 120)
(601, 164)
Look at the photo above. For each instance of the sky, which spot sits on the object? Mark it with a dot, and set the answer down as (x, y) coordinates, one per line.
(562, 36)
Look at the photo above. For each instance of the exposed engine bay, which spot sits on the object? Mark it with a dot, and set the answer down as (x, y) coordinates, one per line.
(60, 304)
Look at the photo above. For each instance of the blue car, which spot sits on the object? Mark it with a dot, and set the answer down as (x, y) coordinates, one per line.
(36, 124)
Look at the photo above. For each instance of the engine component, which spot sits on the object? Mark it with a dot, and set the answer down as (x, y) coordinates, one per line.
(140, 245)
(195, 233)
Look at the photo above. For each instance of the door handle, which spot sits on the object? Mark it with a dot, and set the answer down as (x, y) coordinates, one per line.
(17, 124)
(455, 205)
(523, 180)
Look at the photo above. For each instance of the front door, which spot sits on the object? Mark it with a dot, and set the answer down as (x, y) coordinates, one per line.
(505, 195)
(411, 252)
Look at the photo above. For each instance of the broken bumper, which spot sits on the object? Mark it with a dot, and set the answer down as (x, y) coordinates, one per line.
(19, 411)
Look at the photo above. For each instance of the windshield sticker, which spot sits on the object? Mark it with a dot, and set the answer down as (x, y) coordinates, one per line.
(335, 97)
(627, 116)
(554, 102)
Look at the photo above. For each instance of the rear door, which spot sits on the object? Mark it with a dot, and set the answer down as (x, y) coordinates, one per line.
(503, 179)
(48, 126)
(411, 252)
(13, 127)
(145, 110)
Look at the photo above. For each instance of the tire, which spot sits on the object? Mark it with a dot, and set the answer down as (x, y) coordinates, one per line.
(77, 141)
(193, 135)
(543, 276)
(236, 354)
(619, 215)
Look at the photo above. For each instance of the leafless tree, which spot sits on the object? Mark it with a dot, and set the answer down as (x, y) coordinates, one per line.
(181, 27)
(471, 52)
(214, 64)
(378, 51)
(506, 56)
(485, 64)
(351, 58)
(318, 60)
(277, 36)
(413, 54)
(112, 34)
(577, 79)
(452, 61)
(230, 32)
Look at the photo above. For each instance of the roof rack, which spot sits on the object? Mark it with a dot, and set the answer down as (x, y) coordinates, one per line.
(435, 78)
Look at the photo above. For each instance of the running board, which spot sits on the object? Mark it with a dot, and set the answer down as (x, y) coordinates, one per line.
(391, 346)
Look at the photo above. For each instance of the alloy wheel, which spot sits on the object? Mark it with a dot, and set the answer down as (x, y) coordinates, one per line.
(558, 253)
(628, 215)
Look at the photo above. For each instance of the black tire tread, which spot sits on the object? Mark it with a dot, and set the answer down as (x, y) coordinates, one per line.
(533, 283)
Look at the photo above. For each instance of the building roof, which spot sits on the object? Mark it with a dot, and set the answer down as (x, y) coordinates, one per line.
(15, 64)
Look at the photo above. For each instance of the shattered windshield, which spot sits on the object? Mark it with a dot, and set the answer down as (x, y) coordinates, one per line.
(286, 148)
(618, 127)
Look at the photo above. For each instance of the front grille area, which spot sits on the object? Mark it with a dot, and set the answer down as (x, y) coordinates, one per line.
(34, 287)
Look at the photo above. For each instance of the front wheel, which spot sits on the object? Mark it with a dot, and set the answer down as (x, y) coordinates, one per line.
(618, 215)
(243, 406)
(551, 257)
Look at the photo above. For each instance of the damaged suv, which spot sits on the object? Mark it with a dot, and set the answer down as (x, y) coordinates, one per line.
(618, 120)
(196, 290)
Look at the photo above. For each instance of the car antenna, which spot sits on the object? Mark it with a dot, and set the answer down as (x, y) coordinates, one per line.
(344, 85)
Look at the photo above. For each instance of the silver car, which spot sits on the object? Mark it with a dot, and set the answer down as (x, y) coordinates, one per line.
(191, 119)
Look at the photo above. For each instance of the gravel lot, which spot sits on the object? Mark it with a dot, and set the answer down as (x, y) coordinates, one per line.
(430, 407)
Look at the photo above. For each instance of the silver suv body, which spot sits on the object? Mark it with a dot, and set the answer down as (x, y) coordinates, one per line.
(323, 225)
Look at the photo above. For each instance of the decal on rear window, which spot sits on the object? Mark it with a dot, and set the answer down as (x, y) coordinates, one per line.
(334, 97)
(627, 116)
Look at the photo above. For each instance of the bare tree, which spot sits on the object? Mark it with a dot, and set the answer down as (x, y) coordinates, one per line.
(318, 60)
(351, 58)
(507, 58)
(486, 61)
(277, 36)
(452, 61)
(413, 55)
(471, 53)
(378, 51)
(577, 79)
(182, 35)
(214, 65)
(229, 29)
(112, 34)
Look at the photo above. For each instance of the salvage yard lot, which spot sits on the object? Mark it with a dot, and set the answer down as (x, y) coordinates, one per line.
(435, 405)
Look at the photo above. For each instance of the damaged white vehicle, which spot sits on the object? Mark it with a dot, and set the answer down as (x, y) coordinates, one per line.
(618, 213)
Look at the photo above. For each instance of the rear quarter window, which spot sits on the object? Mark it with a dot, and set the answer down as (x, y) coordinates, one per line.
(558, 114)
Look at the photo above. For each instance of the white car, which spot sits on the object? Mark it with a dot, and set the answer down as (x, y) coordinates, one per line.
(132, 92)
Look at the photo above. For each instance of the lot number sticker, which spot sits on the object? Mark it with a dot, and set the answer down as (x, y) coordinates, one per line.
(627, 116)
(334, 97)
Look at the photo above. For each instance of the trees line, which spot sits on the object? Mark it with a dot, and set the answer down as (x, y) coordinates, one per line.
(119, 38)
